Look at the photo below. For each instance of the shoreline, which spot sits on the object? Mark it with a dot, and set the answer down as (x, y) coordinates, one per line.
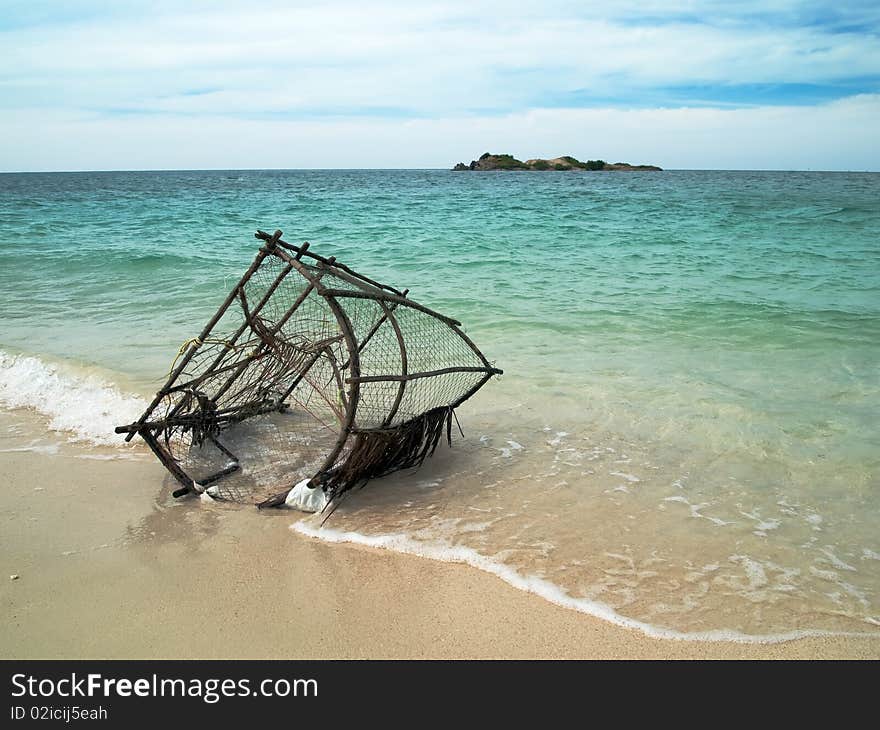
(111, 566)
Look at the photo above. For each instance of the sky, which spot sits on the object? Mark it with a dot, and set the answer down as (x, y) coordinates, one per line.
(764, 84)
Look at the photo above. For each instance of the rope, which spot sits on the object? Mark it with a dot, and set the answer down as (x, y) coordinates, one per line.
(198, 342)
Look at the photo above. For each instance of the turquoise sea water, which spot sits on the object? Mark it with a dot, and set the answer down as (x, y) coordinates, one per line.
(686, 434)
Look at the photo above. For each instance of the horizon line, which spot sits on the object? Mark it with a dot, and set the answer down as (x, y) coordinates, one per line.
(418, 169)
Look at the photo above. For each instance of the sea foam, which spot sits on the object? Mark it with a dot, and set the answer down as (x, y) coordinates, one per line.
(545, 589)
(83, 406)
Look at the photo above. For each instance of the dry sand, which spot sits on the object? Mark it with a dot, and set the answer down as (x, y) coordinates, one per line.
(110, 565)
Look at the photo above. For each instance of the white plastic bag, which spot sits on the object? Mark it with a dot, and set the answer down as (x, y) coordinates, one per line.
(305, 499)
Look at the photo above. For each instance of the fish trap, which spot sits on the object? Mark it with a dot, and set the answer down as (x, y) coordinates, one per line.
(308, 373)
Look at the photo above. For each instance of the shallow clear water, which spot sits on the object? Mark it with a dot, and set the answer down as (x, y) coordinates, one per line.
(686, 431)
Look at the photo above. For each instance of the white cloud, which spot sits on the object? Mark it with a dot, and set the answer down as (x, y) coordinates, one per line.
(168, 84)
(839, 135)
(422, 57)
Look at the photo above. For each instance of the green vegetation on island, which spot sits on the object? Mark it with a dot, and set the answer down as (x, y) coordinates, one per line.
(489, 161)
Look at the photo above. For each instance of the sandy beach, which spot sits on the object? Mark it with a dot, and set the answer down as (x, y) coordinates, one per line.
(111, 566)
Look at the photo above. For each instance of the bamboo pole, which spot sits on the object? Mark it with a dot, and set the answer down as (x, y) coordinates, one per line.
(404, 364)
(425, 374)
(301, 251)
(354, 390)
(391, 298)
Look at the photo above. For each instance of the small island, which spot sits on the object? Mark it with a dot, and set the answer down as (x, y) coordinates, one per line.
(489, 161)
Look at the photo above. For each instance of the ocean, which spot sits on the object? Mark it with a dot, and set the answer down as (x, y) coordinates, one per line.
(685, 439)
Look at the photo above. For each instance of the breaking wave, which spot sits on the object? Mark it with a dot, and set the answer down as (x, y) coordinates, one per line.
(83, 406)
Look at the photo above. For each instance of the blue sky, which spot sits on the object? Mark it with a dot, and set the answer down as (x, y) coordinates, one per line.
(158, 85)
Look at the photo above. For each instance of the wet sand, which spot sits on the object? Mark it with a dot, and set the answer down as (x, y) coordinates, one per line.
(110, 566)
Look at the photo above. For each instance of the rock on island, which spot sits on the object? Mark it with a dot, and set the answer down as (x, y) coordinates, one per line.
(489, 161)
